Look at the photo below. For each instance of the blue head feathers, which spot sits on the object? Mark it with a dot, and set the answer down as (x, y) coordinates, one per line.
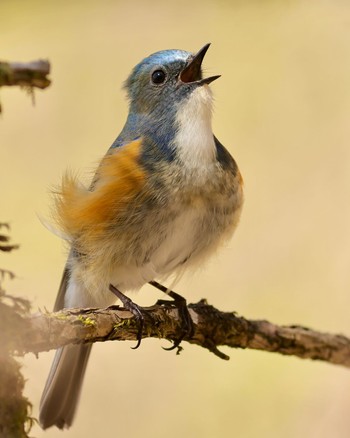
(156, 87)
(165, 78)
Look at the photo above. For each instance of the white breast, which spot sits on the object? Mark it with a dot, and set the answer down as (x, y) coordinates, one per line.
(194, 141)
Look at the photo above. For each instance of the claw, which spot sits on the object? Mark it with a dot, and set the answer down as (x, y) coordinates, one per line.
(176, 344)
(181, 304)
(134, 309)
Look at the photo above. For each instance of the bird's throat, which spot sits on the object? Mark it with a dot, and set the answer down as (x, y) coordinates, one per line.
(194, 140)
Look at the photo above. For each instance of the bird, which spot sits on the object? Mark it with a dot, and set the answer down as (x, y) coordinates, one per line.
(164, 198)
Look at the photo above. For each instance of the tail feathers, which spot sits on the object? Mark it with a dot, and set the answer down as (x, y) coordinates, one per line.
(62, 390)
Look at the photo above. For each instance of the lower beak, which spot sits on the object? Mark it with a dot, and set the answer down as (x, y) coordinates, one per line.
(193, 72)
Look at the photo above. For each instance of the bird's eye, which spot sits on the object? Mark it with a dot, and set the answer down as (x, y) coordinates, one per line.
(158, 77)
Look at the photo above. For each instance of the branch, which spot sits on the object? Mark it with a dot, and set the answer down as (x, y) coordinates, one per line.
(29, 74)
(213, 328)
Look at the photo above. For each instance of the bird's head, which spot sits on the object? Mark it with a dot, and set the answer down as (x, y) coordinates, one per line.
(165, 79)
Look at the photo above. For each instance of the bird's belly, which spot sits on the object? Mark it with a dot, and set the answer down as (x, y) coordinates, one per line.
(180, 242)
(185, 242)
(162, 251)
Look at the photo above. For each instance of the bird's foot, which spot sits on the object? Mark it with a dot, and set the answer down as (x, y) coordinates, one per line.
(181, 304)
(134, 308)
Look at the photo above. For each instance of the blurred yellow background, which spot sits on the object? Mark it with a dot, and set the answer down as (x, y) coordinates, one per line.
(282, 108)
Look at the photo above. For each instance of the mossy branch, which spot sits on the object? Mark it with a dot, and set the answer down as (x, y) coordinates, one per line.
(213, 328)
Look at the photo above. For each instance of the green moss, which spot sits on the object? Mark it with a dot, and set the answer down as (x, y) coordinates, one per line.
(61, 316)
(87, 321)
(122, 323)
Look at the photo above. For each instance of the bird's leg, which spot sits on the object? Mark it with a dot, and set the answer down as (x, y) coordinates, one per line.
(181, 304)
(134, 308)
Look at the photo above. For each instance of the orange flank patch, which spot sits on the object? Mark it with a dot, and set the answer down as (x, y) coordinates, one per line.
(240, 179)
(85, 214)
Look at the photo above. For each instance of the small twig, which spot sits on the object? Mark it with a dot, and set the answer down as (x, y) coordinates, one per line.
(4, 246)
(29, 74)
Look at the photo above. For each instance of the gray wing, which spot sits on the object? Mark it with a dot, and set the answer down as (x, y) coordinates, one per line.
(59, 303)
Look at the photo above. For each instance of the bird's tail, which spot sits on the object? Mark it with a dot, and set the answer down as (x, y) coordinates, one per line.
(62, 390)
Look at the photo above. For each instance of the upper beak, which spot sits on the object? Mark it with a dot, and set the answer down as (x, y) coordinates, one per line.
(192, 71)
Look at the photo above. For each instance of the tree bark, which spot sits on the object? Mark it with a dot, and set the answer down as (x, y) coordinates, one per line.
(213, 328)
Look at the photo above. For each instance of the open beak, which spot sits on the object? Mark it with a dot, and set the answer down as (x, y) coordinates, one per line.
(192, 72)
